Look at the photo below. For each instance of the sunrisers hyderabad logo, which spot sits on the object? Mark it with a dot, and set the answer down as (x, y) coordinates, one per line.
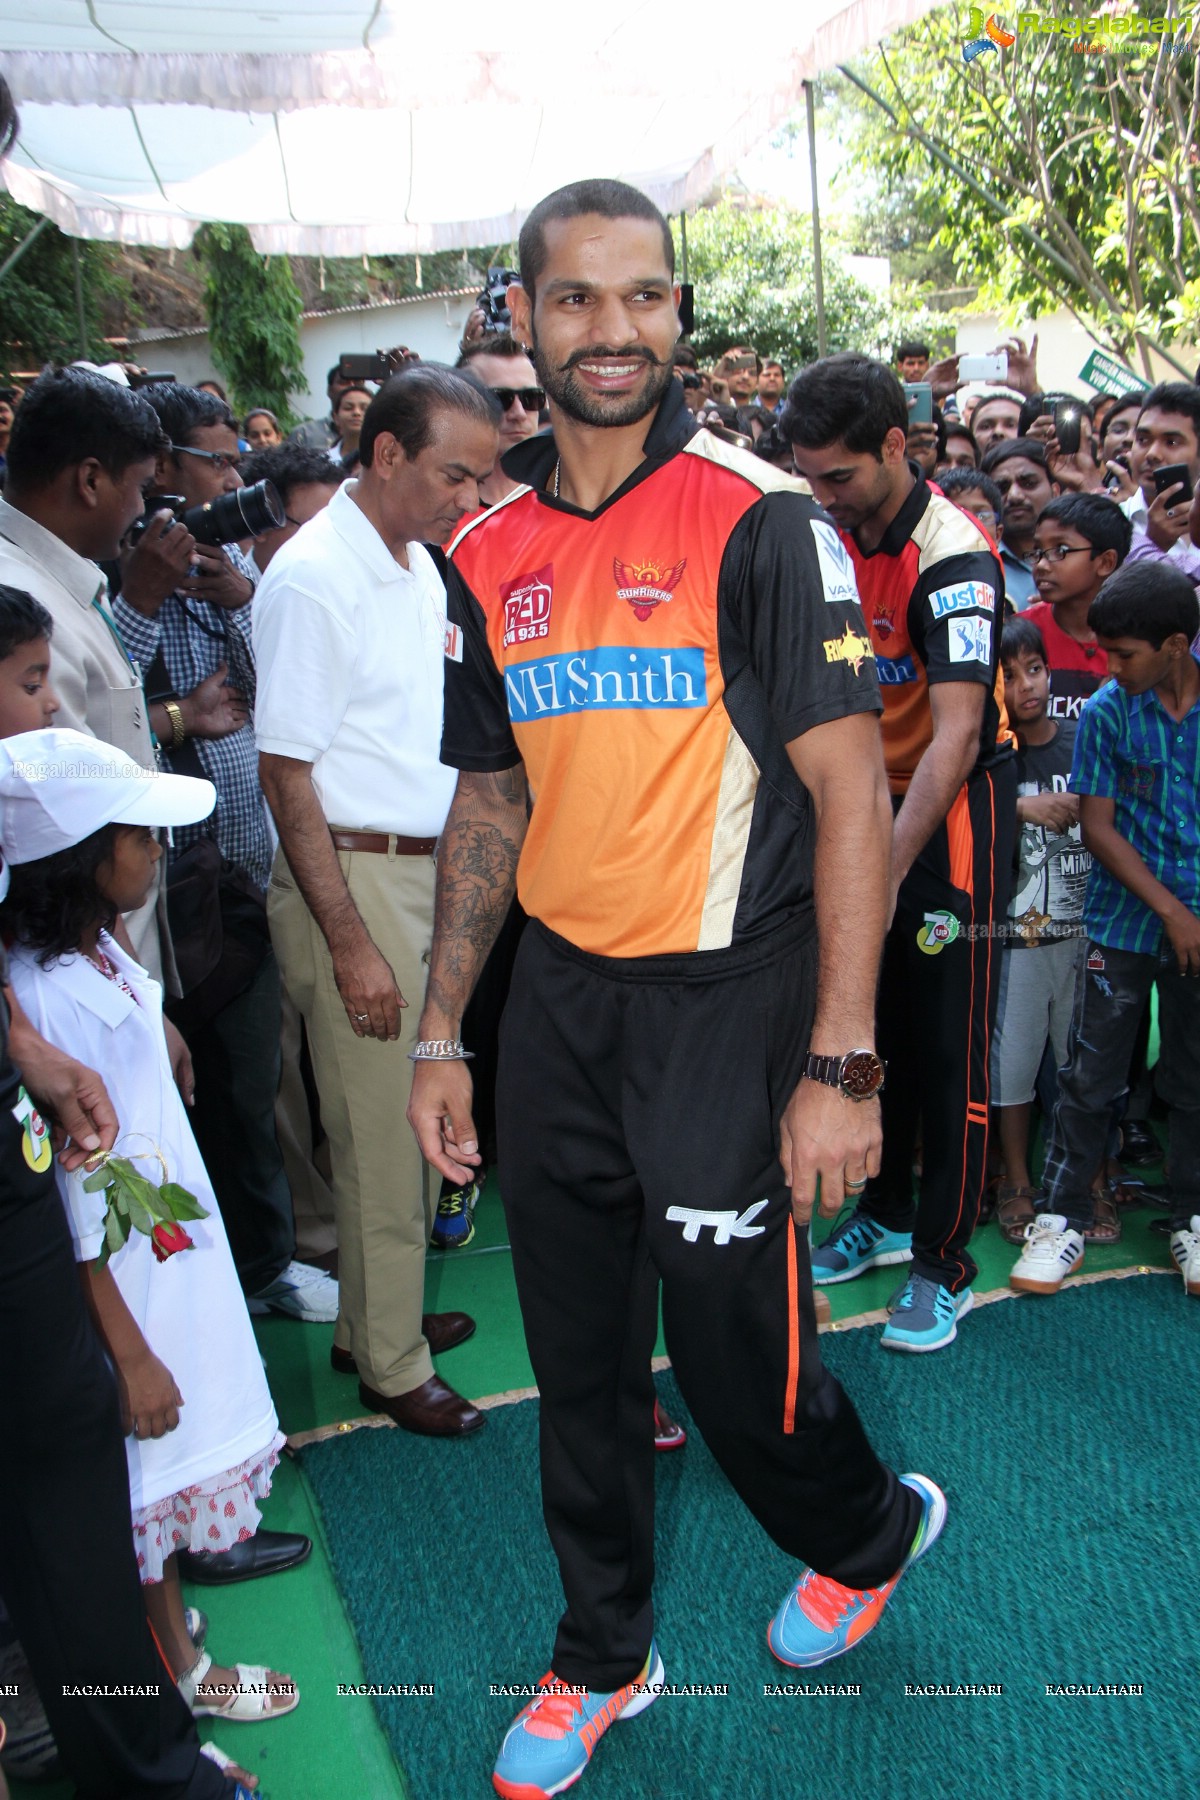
(527, 601)
(646, 585)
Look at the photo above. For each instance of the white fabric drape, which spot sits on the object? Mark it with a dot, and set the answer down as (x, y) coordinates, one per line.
(348, 126)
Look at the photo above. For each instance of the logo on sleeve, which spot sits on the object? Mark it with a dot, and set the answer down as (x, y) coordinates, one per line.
(646, 585)
(849, 648)
(527, 600)
(968, 596)
(837, 569)
(971, 641)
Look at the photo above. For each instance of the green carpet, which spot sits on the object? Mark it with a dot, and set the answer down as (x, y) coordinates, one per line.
(1061, 1433)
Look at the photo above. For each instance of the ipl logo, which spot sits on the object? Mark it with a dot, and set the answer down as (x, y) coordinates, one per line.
(983, 36)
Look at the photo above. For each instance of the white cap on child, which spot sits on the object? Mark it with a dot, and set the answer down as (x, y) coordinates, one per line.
(57, 787)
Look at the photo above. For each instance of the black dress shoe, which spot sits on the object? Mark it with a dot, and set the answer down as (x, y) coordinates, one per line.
(266, 1553)
(443, 1331)
(432, 1410)
(1139, 1146)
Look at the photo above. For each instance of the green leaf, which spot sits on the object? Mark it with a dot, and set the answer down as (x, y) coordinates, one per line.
(183, 1205)
(116, 1231)
(99, 1178)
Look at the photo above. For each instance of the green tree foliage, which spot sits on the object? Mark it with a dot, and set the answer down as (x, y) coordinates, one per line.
(753, 275)
(39, 320)
(1063, 167)
(253, 320)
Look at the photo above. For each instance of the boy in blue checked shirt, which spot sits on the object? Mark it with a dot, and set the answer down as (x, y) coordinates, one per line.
(1137, 769)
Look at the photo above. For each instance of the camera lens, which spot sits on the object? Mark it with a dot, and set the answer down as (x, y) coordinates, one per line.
(247, 512)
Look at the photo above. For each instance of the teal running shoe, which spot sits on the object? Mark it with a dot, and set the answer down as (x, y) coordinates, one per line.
(857, 1245)
(925, 1315)
(549, 1745)
(821, 1619)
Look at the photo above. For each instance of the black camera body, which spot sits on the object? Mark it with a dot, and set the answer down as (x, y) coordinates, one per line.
(246, 512)
(493, 302)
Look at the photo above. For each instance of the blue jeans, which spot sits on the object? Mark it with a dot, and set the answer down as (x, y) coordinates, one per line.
(1110, 996)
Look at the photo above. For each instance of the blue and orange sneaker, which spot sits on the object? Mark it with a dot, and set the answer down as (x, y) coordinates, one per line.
(820, 1618)
(549, 1744)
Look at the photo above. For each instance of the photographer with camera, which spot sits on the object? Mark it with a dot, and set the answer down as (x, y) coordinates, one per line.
(184, 612)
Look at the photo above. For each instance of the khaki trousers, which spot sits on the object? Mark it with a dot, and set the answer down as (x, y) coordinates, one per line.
(312, 1201)
(385, 1196)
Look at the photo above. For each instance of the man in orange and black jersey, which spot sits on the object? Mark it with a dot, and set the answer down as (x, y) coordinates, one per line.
(932, 590)
(659, 638)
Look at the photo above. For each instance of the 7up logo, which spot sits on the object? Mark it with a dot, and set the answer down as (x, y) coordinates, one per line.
(984, 35)
(939, 929)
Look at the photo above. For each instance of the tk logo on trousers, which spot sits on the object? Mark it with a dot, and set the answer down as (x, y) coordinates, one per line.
(725, 1225)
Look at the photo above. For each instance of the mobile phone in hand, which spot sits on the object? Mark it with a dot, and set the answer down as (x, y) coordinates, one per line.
(1170, 476)
(919, 395)
(1068, 425)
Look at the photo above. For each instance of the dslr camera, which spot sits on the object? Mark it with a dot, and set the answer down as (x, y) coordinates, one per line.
(247, 512)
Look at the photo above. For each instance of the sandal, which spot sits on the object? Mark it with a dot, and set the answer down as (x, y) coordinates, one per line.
(195, 1624)
(1105, 1227)
(251, 1701)
(1014, 1211)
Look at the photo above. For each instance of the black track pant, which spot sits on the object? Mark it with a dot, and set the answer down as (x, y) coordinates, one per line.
(67, 1570)
(639, 1110)
(937, 1010)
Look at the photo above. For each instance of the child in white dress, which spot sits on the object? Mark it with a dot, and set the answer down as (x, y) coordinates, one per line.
(76, 818)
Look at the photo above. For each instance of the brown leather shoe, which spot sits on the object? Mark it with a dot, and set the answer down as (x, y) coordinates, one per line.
(443, 1331)
(446, 1331)
(433, 1409)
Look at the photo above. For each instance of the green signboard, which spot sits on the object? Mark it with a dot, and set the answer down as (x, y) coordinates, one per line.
(1108, 376)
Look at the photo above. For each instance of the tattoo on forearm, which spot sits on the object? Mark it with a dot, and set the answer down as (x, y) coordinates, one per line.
(477, 868)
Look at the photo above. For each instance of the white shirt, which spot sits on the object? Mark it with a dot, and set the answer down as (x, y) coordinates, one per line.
(350, 649)
(189, 1309)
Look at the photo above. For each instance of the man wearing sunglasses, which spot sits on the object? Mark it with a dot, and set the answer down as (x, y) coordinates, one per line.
(499, 362)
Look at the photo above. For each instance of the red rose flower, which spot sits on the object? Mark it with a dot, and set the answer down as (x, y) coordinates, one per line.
(167, 1238)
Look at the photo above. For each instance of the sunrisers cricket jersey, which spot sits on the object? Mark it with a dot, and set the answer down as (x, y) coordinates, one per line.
(932, 593)
(648, 663)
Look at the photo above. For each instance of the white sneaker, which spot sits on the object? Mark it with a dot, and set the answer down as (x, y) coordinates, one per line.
(1052, 1251)
(300, 1291)
(1185, 1248)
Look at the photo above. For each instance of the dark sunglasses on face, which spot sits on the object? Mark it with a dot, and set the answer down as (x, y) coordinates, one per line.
(532, 399)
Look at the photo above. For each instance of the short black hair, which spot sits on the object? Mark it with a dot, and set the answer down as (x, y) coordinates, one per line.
(1095, 517)
(10, 121)
(608, 199)
(1021, 634)
(53, 901)
(684, 356)
(290, 466)
(22, 619)
(334, 375)
(986, 400)
(848, 398)
(497, 343)
(1124, 403)
(210, 381)
(954, 482)
(1149, 601)
(1031, 449)
(910, 347)
(407, 404)
(772, 362)
(71, 415)
(956, 428)
(1175, 397)
(182, 410)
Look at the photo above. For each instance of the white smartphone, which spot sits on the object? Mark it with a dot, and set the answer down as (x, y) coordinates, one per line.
(984, 368)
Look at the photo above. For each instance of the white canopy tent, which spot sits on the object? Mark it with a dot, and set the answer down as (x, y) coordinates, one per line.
(339, 127)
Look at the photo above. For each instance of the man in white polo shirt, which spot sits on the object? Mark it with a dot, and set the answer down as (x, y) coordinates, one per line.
(350, 640)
